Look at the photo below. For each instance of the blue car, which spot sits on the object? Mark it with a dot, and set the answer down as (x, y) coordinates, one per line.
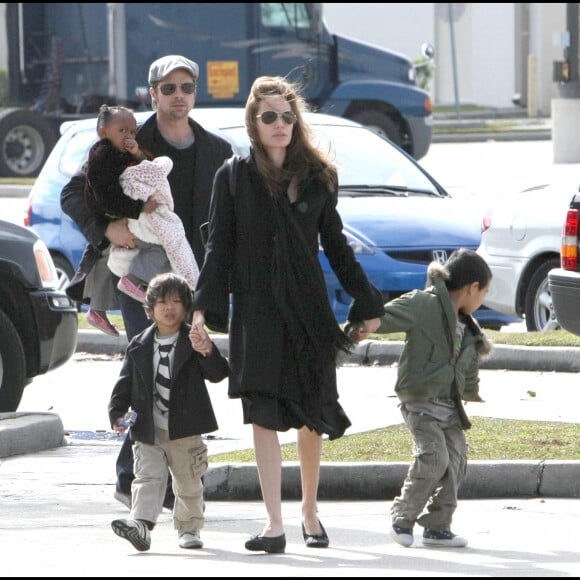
(396, 217)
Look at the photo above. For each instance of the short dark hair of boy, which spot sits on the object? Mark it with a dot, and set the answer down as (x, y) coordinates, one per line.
(466, 267)
(166, 284)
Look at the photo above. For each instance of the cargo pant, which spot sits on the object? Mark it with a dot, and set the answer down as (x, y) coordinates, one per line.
(433, 479)
(187, 460)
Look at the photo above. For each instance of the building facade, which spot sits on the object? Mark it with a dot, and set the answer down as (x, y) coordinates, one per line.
(485, 54)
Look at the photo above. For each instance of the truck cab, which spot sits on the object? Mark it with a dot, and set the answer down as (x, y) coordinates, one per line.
(62, 66)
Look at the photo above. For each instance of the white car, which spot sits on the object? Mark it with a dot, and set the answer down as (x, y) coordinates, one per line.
(521, 237)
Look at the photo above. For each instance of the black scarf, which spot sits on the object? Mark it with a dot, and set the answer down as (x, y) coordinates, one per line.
(300, 292)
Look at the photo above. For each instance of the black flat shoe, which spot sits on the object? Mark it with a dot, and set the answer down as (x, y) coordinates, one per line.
(275, 545)
(313, 541)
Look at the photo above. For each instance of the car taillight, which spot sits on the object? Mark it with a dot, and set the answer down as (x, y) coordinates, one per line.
(569, 247)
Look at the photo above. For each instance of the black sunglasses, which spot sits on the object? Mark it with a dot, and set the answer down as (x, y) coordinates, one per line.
(169, 88)
(269, 117)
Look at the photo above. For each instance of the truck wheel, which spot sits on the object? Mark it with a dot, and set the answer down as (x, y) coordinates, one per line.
(26, 139)
(381, 124)
(12, 366)
(538, 307)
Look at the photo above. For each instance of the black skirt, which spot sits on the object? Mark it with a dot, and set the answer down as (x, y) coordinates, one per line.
(281, 414)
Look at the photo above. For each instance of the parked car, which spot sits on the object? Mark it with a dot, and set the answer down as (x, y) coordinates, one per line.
(38, 322)
(396, 217)
(520, 241)
(564, 282)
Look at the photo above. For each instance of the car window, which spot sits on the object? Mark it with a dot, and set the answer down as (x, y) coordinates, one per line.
(374, 162)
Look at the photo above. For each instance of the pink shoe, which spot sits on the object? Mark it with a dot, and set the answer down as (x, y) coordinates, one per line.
(127, 287)
(96, 320)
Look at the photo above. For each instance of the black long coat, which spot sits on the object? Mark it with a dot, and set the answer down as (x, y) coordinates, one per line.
(239, 258)
(190, 408)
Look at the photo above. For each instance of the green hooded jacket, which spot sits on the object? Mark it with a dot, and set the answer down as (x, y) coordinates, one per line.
(428, 365)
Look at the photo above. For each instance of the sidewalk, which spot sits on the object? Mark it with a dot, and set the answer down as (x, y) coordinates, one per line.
(57, 508)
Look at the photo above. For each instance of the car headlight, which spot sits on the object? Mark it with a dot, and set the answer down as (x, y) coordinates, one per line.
(45, 265)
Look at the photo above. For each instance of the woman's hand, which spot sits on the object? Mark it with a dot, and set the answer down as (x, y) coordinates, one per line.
(361, 331)
(200, 340)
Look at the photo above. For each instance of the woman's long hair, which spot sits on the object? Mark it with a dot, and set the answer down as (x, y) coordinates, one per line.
(303, 159)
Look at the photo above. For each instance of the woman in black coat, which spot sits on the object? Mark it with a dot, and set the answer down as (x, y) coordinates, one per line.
(264, 229)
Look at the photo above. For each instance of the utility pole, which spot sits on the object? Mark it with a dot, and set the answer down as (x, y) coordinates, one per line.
(570, 88)
(454, 61)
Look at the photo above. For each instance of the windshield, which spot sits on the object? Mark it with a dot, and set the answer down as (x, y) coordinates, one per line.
(363, 159)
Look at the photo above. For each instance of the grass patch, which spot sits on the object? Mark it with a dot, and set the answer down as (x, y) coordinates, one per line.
(17, 180)
(549, 338)
(488, 440)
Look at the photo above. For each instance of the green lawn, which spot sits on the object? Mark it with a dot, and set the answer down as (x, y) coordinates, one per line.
(488, 439)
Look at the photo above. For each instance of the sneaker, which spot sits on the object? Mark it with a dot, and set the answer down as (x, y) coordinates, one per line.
(124, 498)
(403, 536)
(127, 287)
(101, 323)
(190, 540)
(135, 531)
(443, 538)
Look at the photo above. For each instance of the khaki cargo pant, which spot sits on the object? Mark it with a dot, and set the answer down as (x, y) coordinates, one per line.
(187, 460)
(440, 451)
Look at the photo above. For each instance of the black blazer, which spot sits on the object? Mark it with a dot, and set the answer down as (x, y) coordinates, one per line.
(190, 408)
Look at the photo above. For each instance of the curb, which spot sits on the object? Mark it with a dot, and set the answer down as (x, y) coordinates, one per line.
(22, 433)
(476, 137)
(383, 481)
(376, 352)
(513, 358)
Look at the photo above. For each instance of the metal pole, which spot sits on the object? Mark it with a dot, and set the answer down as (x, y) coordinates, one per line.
(572, 50)
(454, 61)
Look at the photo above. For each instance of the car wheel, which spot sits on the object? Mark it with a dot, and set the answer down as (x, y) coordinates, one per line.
(64, 270)
(12, 366)
(65, 274)
(539, 310)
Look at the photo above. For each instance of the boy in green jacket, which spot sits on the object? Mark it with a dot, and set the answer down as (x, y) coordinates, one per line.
(438, 368)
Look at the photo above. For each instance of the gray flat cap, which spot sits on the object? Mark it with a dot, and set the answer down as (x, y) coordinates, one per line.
(167, 64)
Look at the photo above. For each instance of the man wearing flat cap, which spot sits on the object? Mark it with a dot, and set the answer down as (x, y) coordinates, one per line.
(196, 154)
